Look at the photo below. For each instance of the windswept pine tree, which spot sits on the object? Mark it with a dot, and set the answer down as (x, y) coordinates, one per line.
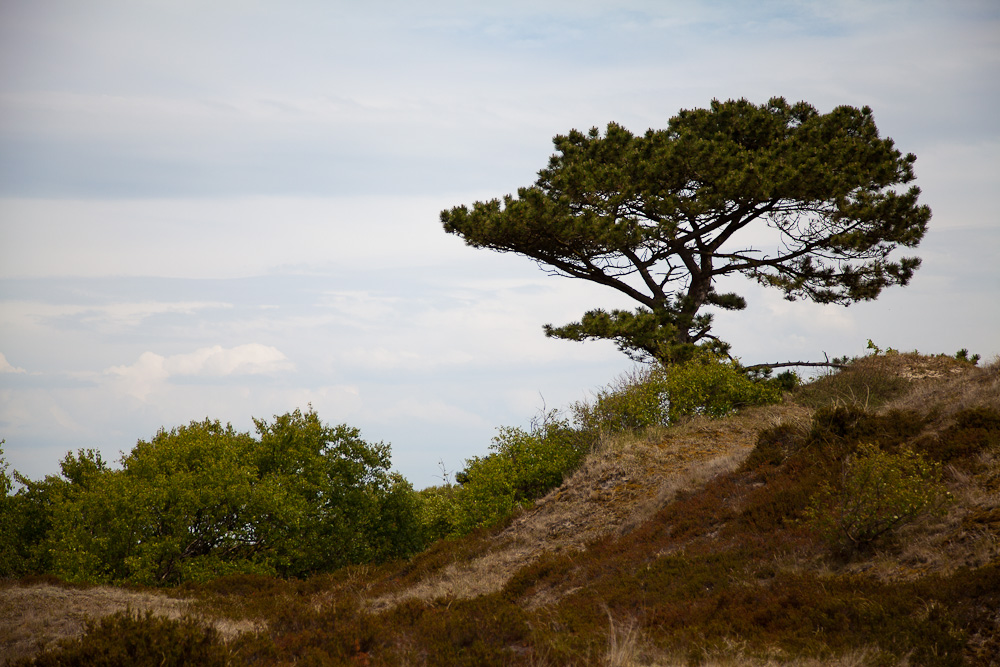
(804, 202)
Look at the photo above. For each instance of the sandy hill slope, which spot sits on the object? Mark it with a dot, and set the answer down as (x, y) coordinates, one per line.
(628, 480)
(681, 545)
(620, 486)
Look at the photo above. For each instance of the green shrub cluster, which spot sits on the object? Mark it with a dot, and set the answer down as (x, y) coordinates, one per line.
(633, 402)
(659, 395)
(440, 511)
(203, 500)
(878, 492)
(523, 464)
(715, 388)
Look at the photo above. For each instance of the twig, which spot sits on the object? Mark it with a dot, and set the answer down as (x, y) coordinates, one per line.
(795, 363)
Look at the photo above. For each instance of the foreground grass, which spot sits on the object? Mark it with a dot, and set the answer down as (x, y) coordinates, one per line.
(682, 546)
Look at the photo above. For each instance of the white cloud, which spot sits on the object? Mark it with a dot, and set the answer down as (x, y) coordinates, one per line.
(136, 177)
(6, 367)
(249, 359)
(433, 411)
(221, 237)
(151, 370)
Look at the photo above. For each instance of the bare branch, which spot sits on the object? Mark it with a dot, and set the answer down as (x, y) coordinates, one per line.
(795, 363)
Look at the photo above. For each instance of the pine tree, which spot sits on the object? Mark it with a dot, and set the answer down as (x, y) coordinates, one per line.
(660, 217)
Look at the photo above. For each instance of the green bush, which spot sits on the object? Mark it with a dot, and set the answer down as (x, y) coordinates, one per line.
(659, 395)
(439, 512)
(523, 465)
(963, 355)
(635, 401)
(10, 559)
(713, 387)
(877, 493)
(26, 516)
(203, 500)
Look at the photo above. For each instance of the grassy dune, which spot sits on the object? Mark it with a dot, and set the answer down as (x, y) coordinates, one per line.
(688, 545)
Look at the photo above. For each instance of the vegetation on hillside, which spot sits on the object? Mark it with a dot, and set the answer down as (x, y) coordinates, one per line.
(859, 526)
(203, 500)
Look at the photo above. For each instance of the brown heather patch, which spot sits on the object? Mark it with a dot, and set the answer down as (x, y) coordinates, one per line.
(34, 617)
(618, 488)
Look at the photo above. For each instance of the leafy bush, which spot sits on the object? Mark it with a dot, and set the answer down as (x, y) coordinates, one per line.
(878, 492)
(659, 395)
(635, 401)
(439, 512)
(203, 500)
(10, 560)
(26, 517)
(524, 465)
(715, 388)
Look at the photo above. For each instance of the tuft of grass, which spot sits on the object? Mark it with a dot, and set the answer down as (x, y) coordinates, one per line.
(623, 642)
(867, 383)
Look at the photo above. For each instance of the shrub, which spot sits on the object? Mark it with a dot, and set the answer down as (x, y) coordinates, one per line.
(635, 401)
(439, 512)
(715, 388)
(128, 638)
(878, 492)
(10, 560)
(774, 445)
(203, 500)
(524, 465)
(868, 382)
(963, 355)
(975, 430)
(659, 395)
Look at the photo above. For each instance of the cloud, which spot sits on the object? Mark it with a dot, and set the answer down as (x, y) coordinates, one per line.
(6, 367)
(151, 370)
(432, 411)
(220, 238)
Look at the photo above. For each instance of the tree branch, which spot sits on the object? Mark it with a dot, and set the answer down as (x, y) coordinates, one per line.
(829, 364)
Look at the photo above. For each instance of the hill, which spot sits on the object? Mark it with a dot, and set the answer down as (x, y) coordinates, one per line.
(733, 541)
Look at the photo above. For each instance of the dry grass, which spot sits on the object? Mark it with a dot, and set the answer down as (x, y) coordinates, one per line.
(626, 648)
(623, 642)
(948, 385)
(33, 617)
(861, 658)
(619, 487)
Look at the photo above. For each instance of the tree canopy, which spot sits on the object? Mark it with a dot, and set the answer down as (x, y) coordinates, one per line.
(203, 500)
(804, 202)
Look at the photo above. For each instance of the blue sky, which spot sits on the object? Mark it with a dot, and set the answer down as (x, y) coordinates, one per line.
(230, 209)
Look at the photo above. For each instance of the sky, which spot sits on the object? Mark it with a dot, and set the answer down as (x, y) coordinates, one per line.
(230, 209)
